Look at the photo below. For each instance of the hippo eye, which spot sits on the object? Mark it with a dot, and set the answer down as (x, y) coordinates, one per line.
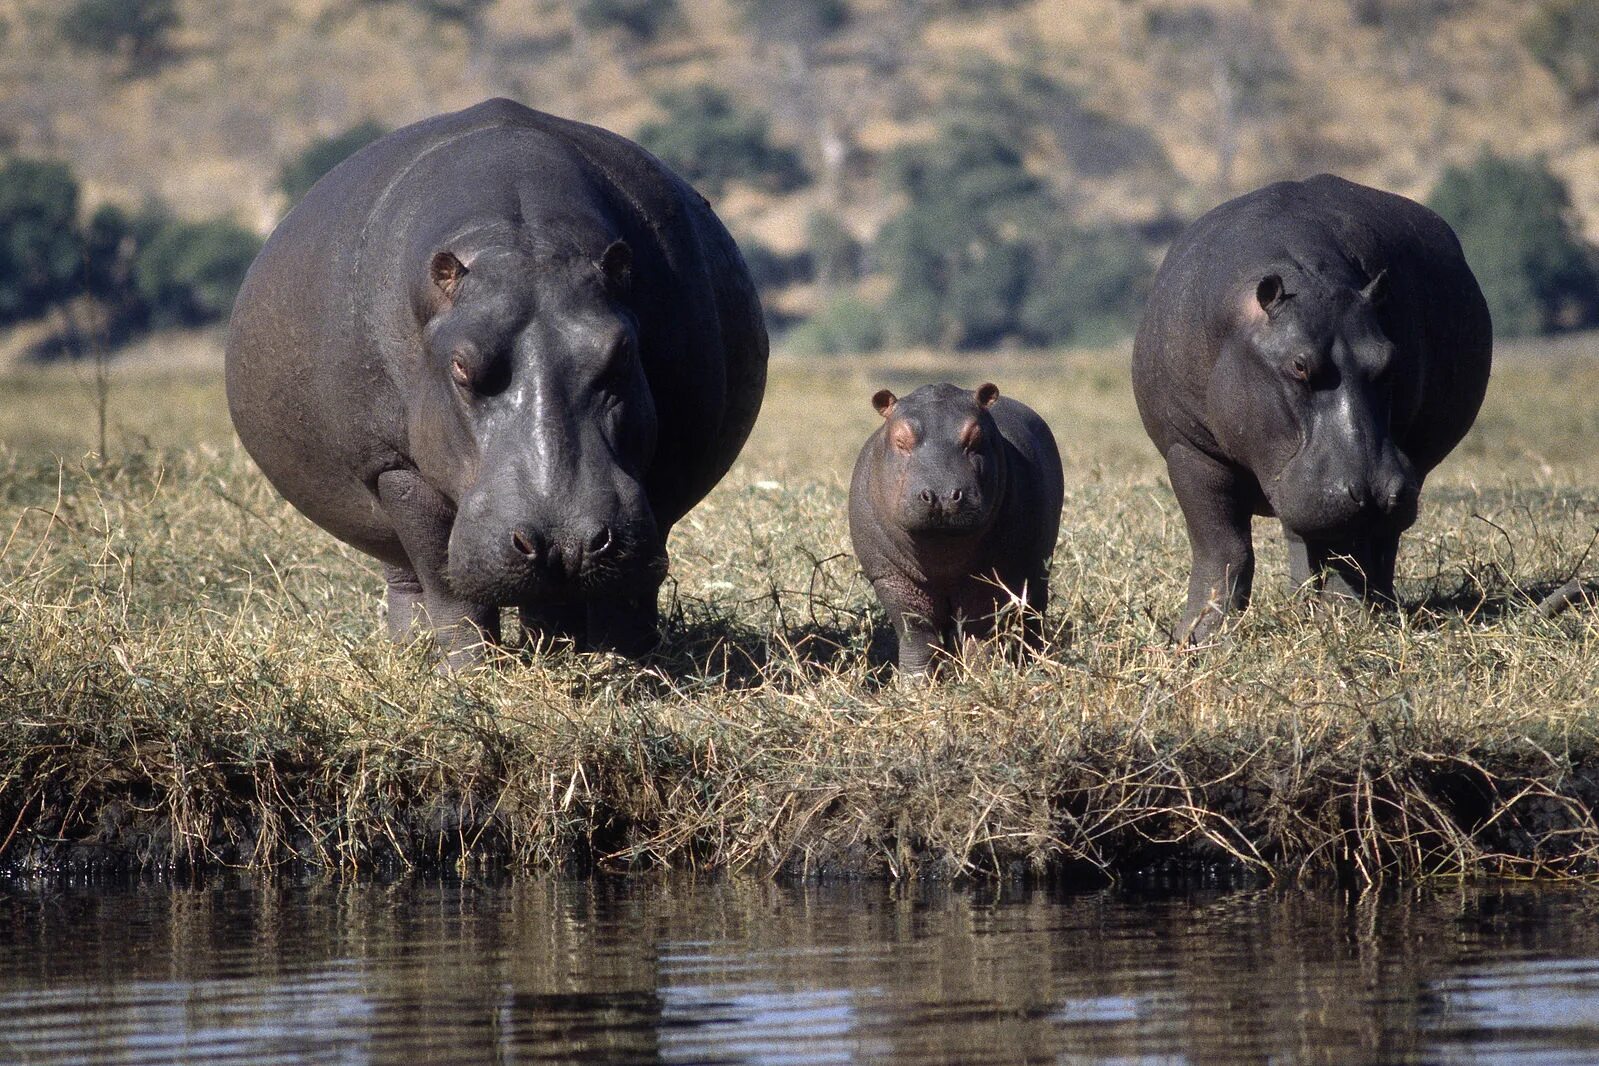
(971, 436)
(459, 373)
(1299, 368)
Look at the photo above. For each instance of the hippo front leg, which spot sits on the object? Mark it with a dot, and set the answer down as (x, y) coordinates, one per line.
(1214, 500)
(422, 518)
(917, 631)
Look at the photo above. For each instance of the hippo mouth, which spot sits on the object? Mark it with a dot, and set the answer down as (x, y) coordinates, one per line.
(635, 559)
(1330, 518)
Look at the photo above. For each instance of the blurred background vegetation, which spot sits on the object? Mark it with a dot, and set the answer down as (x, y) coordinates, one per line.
(949, 174)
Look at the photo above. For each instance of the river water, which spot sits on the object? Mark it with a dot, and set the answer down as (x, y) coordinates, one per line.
(683, 970)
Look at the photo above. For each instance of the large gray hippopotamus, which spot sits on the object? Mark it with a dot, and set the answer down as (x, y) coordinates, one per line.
(1311, 350)
(503, 353)
(954, 507)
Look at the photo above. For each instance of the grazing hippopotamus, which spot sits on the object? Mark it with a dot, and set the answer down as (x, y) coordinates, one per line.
(1310, 350)
(503, 353)
(953, 511)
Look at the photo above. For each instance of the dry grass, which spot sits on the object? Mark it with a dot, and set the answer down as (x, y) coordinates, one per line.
(193, 674)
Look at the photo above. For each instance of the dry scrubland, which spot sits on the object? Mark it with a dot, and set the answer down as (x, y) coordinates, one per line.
(192, 673)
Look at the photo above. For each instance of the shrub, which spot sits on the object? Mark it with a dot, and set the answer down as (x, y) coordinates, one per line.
(710, 142)
(641, 19)
(1087, 287)
(958, 252)
(802, 20)
(770, 269)
(321, 156)
(41, 250)
(1563, 35)
(189, 272)
(137, 29)
(845, 326)
(835, 253)
(1514, 221)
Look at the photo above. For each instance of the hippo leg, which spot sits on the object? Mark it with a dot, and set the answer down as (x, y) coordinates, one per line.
(1215, 502)
(405, 602)
(918, 632)
(627, 625)
(421, 518)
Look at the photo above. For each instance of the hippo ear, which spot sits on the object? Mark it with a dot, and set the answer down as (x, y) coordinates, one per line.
(884, 401)
(987, 394)
(1376, 290)
(617, 264)
(1269, 293)
(447, 272)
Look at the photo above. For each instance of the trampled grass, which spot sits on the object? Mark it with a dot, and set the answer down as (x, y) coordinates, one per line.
(191, 673)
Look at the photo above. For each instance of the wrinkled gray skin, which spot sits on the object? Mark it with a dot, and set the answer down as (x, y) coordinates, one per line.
(503, 353)
(956, 499)
(1310, 350)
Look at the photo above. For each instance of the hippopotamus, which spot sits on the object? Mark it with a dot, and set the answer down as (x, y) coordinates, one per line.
(1310, 350)
(954, 507)
(503, 353)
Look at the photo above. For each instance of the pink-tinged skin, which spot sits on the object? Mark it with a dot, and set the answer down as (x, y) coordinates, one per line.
(954, 510)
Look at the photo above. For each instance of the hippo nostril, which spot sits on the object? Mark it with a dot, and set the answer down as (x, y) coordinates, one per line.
(955, 496)
(1352, 491)
(528, 546)
(601, 541)
(927, 496)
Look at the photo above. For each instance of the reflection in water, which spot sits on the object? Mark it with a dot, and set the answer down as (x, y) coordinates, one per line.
(682, 971)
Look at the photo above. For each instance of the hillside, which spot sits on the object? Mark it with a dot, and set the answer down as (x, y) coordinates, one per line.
(1140, 111)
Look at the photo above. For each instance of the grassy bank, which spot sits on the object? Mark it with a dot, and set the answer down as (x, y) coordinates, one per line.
(192, 673)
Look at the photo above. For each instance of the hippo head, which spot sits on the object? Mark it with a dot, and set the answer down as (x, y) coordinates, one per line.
(941, 463)
(1303, 394)
(532, 413)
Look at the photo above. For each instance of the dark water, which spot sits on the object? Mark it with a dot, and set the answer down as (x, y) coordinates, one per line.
(683, 971)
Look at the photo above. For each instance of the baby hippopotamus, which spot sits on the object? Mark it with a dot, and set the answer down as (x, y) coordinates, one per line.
(953, 512)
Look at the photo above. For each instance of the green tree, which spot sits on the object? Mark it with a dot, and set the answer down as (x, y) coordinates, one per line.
(189, 272)
(41, 250)
(1088, 286)
(958, 251)
(643, 20)
(1514, 221)
(135, 29)
(321, 156)
(795, 20)
(710, 141)
(1563, 35)
(835, 253)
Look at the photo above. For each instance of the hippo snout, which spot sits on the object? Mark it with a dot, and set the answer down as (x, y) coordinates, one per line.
(1386, 496)
(501, 561)
(566, 556)
(951, 507)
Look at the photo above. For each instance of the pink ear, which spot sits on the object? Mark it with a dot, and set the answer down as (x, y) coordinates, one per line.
(1269, 293)
(447, 272)
(884, 402)
(987, 394)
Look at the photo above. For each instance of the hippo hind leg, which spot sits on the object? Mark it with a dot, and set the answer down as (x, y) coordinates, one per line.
(1216, 509)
